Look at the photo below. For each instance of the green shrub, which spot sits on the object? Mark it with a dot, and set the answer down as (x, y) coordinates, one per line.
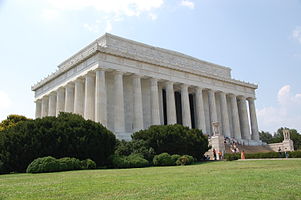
(174, 158)
(163, 159)
(185, 160)
(88, 164)
(294, 154)
(45, 164)
(68, 135)
(126, 148)
(174, 139)
(51, 164)
(69, 164)
(232, 156)
(131, 161)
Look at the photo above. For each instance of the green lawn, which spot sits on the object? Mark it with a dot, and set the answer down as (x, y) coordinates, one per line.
(269, 179)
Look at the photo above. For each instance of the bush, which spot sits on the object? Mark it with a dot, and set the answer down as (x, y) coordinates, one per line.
(45, 164)
(163, 159)
(175, 157)
(68, 135)
(185, 160)
(174, 139)
(131, 161)
(88, 164)
(232, 156)
(126, 148)
(51, 164)
(69, 164)
(294, 154)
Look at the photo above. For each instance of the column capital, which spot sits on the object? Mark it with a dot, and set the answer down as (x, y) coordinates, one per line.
(89, 74)
(38, 101)
(60, 89)
(71, 84)
(53, 93)
(243, 98)
(232, 95)
(136, 76)
(251, 98)
(184, 86)
(169, 83)
(118, 72)
(100, 69)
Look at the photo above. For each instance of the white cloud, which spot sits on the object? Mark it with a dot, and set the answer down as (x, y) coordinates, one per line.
(287, 113)
(153, 16)
(114, 10)
(187, 3)
(297, 33)
(50, 14)
(117, 7)
(5, 101)
(109, 27)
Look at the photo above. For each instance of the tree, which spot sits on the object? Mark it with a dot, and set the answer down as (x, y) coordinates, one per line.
(67, 135)
(11, 121)
(265, 137)
(174, 139)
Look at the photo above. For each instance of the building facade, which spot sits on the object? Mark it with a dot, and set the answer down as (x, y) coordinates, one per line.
(128, 86)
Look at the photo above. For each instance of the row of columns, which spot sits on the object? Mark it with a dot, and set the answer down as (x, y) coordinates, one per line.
(87, 96)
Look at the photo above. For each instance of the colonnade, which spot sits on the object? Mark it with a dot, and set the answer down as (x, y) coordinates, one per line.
(87, 96)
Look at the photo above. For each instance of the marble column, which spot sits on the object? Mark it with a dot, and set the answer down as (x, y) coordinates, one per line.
(119, 122)
(89, 102)
(186, 117)
(79, 92)
(253, 117)
(155, 108)
(170, 103)
(44, 106)
(225, 116)
(244, 118)
(52, 104)
(235, 117)
(69, 97)
(212, 108)
(200, 112)
(138, 113)
(101, 97)
(60, 101)
(38, 108)
(160, 94)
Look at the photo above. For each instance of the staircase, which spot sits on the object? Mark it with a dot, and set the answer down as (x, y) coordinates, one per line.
(250, 149)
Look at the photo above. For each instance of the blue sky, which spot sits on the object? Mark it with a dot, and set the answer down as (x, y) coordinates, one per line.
(259, 40)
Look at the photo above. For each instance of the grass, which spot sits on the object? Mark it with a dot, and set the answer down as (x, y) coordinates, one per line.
(262, 179)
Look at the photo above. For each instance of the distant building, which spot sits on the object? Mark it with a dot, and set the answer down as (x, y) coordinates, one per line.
(129, 86)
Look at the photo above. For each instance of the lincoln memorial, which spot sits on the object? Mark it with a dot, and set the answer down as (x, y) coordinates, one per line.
(128, 86)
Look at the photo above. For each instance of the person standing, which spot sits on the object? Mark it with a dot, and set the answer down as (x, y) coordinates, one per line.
(214, 154)
(279, 152)
(242, 155)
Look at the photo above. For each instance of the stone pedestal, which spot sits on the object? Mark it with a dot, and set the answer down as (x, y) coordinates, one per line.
(217, 143)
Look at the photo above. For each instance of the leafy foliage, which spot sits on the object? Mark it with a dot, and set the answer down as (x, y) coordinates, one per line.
(50, 164)
(174, 139)
(278, 137)
(67, 135)
(11, 121)
(131, 161)
(185, 160)
(232, 156)
(163, 159)
(126, 148)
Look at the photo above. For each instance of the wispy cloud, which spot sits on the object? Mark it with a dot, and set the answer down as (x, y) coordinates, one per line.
(285, 113)
(114, 10)
(297, 33)
(5, 102)
(187, 3)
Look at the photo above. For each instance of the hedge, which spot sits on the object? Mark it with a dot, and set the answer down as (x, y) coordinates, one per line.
(51, 164)
(236, 156)
(131, 161)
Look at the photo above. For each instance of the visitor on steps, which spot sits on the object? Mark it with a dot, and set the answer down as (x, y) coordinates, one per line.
(242, 155)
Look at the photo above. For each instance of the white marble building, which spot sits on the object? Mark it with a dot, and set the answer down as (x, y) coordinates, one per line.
(128, 86)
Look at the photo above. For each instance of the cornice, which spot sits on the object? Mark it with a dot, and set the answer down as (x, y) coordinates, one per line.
(105, 44)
